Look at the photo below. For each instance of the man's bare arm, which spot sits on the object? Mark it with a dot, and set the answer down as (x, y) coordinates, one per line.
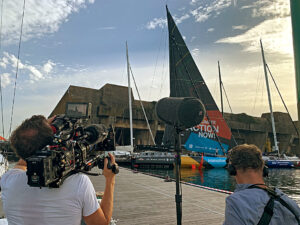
(104, 213)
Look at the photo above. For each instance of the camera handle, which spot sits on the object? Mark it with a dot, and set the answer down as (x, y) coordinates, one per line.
(100, 162)
(114, 167)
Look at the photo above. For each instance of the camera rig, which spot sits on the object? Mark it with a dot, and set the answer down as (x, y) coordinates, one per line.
(75, 148)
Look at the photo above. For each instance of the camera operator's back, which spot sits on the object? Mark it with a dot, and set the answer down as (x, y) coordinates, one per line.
(23, 204)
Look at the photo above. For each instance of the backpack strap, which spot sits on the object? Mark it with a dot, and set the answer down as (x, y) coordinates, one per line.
(268, 210)
(268, 213)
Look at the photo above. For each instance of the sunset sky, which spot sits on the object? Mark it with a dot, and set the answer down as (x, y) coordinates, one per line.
(82, 42)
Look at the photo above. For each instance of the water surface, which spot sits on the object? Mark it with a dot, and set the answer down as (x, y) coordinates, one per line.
(288, 180)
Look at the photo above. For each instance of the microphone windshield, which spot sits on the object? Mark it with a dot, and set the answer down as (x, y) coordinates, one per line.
(95, 133)
(181, 113)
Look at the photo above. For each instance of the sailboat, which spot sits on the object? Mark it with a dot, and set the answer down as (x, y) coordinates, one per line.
(275, 161)
(212, 137)
(124, 154)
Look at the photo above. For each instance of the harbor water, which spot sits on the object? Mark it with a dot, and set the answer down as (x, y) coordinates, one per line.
(288, 180)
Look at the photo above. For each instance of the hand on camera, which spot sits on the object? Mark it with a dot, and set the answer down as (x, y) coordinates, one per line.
(108, 173)
(51, 119)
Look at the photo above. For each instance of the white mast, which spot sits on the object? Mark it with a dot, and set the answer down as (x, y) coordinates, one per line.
(129, 97)
(269, 97)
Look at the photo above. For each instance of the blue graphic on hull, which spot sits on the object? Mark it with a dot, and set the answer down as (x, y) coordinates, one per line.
(216, 162)
(279, 164)
(205, 145)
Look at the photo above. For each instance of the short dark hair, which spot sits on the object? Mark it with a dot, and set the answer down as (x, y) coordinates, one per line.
(32, 135)
(245, 157)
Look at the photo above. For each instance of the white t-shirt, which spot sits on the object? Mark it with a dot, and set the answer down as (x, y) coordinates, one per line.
(67, 204)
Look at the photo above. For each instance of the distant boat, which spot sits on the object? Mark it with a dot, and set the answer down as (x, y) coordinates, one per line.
(153, 159)
(274, 161)
(212, 137)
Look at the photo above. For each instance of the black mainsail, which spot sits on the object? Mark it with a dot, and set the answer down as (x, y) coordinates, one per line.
(213, 135)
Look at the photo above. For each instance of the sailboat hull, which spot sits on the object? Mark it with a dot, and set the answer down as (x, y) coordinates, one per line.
(208, 161)
(280, 164)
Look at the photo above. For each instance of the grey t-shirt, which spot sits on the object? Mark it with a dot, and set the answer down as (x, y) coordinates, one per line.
(23, 204)
(246, 206)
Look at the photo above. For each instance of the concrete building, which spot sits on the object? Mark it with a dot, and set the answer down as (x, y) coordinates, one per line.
(109, 106)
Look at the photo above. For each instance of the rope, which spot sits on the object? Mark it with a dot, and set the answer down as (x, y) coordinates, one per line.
(142, 106)
(282, 99)
(159, 48)
(17, 69)
(163, 66)
(0, 75)
(230, 111)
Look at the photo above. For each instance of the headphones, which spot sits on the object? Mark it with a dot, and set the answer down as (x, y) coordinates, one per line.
(232, 171)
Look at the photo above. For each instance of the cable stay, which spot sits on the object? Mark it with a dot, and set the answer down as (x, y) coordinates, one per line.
(163, 66)
(158, 52)
(282, 99)
(17, 69)
(223, 88)
(142, 106)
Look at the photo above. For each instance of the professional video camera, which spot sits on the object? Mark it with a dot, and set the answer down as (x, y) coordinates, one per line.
(75, 148)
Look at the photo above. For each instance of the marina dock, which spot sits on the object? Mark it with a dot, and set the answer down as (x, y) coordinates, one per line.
(144, 199)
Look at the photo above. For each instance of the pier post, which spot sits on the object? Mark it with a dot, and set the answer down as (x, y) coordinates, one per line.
(178, 196)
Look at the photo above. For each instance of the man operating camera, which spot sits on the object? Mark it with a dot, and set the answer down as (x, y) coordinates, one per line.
(253, 202)
(74, 199)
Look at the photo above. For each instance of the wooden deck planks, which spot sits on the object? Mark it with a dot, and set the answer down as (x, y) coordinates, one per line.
(144, 199)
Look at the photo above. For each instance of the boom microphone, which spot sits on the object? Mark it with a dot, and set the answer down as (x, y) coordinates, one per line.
(181, 113)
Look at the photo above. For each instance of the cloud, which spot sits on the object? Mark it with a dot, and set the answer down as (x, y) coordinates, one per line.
(275, 33)
(35, 73)
(13, 60)
(162, 22)
(48, 66)
(201, 14)
(193, 38)
(106, 28)
(239, 27)
(193, 2)
(195, 52)
(182, 18)
(207, 10)
(41, 17)
(3, 65)
(210, 29)
(156, 22)
(5, 79)
(269, 8)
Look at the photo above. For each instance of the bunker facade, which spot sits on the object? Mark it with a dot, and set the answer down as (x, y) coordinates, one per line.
(109, 105)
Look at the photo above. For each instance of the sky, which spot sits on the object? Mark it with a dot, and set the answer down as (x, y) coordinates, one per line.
(82, 43)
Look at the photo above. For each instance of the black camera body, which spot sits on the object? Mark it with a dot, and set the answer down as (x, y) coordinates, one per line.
(75, 148)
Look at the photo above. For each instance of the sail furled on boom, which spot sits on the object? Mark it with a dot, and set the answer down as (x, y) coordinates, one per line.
(213, 134)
